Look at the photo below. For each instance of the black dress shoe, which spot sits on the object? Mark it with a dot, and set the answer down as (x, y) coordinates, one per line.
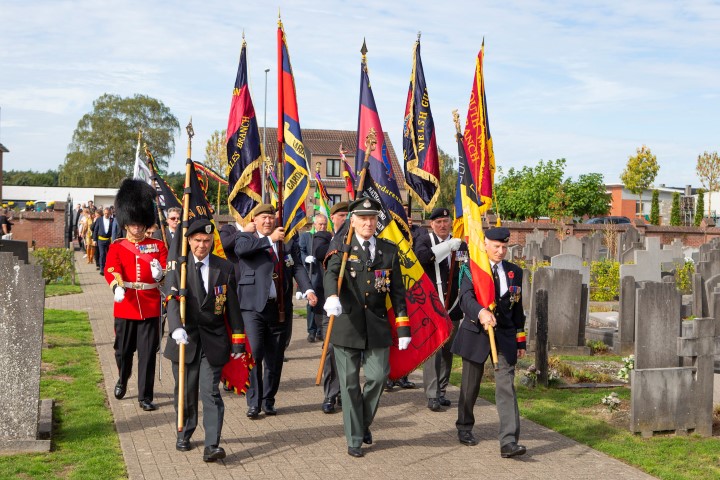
(147, 405)
(512, 449)
(405, 383)
(328, 405)
(213, 454)
(434, 404)
(355, 452)
(311, 338)
(119, 390)
(253, 412)
(183, 445)
(269, 410)
(389, 385)
(444, 402)
(467, 438)
(319, 336)
(367, 437)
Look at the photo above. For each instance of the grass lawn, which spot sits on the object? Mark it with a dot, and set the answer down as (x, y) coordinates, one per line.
(56, 289)
(84, 444)
(578, 414)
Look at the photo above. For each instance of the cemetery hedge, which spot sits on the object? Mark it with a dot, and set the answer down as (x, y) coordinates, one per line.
(84, 443)
(604, 281)
(58, 264)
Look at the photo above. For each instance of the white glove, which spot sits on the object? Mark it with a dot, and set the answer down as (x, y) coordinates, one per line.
(235, 356)
(298, 295)
(403, 343)
(119, 294)
(180, 336)
(332, 306)
(156, 269)
(441, 251)
(454, 244)
(309, 259)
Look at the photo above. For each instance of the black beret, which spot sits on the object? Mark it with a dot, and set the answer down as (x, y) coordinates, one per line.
(339, 207)
(264, 208)
(439, 212)
(499, 234)
(200, 225)
(365, 206)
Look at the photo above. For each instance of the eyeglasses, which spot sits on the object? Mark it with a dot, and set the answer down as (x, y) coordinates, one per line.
(174, 219)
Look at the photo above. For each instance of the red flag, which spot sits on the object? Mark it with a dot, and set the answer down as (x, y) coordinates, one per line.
(477, 169)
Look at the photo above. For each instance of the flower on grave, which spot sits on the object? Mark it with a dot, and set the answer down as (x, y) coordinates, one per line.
(628, 365)
(611, 401)
(529, 378)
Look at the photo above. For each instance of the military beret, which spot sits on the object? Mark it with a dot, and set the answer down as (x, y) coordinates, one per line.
(499, 234)
(200, 225)
(339, 207)
(365, 206)
(264, 208)
(439, 213)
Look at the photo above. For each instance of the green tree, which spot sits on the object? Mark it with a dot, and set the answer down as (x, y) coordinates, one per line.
(526, 193)
(708, 171)
(102, 151)
(216, 158)
(640, 171)
(31, 178)
(448, 180)
(655, 208)
(699, 208)
(588, 196)
(675, 211)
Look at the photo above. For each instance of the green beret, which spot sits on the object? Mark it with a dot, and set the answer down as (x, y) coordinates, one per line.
(339, 207)
(264, 208)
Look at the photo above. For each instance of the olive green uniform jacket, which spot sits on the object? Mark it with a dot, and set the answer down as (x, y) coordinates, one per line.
(364, 320)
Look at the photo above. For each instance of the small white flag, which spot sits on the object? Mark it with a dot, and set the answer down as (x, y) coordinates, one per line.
(141, 171)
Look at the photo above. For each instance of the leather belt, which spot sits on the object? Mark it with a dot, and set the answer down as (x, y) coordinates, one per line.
(140, 285)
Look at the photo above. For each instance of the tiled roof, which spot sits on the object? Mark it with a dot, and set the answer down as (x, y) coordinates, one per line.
(327, 143)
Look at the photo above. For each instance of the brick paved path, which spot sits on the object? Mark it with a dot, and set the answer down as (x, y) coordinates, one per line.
(411, 442)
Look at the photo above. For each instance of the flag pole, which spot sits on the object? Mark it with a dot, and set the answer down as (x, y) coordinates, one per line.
(280, 173)
(183, 279)
(370, 142)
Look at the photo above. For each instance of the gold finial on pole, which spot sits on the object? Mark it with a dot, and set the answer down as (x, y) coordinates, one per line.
(371, 140)
(317, 167)
(363, 49)
(456, 120)
(191, 134)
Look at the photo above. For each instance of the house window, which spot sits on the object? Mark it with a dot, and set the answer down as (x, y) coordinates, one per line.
(334, 199)
(332, 167)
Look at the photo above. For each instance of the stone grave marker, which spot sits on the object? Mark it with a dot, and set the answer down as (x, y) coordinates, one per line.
(551, 245)
(572, 246)
(532, 252)
(21, 334)
(536, 236)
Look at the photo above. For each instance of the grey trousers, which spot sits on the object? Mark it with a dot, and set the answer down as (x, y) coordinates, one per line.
(330, 382)
(436, 369)
(359, 407)
(505, 398)
(200, 375)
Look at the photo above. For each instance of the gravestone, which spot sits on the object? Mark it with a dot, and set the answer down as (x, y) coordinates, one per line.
(564, 288)
(624, 344)
(536, 236)
(571, 262)
(572, 246)
(551, 245)
(532, 252)
(709, 264)
(526, 287)
(21, 335)
(628, 255)
(646, 267)
(515, 251)
(19, 248)
(591, 247)
(657, 325)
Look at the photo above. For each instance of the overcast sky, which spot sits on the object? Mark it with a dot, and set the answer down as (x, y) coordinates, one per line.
(585, 81)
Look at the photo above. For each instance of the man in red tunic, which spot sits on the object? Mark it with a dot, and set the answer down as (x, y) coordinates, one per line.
(134, 268)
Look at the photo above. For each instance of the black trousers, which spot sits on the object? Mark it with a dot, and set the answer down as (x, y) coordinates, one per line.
(143, 336)
(102, 249)
(201, 381)
(267, 337)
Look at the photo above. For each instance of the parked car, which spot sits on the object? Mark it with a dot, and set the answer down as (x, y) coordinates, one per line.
(604, 220)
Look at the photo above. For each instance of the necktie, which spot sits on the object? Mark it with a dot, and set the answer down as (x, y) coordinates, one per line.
(203, 292)
(496, 281)
(366, 247)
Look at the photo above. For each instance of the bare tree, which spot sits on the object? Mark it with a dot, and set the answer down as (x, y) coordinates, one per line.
(708, 171)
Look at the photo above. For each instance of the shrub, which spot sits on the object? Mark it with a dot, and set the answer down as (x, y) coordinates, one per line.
(604, 280)
(683, 277)
(57, 264)
(597, 346)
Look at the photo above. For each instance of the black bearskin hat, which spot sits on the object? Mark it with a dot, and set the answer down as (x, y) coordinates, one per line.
(134, 203)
